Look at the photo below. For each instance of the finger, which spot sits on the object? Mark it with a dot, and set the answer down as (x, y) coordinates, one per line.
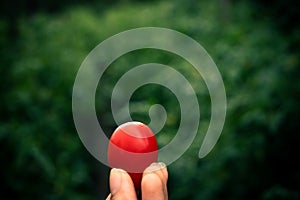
(160, 169)
(154, 182)
(108, 197)
(121, 186)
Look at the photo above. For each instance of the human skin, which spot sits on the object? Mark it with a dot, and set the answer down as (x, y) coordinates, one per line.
(153, 186)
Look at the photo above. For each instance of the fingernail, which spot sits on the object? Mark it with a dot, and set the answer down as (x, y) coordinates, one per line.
(155, 167)
(115, 179)
(162, 165)
(118, 170)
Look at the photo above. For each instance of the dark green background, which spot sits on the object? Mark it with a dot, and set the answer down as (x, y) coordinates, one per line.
(255, 45)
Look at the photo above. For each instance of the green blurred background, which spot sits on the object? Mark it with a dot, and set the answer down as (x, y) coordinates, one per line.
(255, 44)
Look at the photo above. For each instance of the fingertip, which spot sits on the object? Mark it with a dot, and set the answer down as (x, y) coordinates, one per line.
(154, 182)
(164, 170)
(160, 169)
(152, 186)
(121, 185)
(154, 167)
(108, 197)
(115, 179)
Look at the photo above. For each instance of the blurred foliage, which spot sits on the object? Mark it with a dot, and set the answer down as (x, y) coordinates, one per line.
(257, 55)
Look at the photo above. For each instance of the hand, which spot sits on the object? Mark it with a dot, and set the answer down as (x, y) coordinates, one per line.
(154, 184)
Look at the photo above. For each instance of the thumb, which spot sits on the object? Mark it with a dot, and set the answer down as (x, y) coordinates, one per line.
(121, 185)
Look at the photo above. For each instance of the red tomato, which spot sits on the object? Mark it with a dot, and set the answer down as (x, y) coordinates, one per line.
(132, 147)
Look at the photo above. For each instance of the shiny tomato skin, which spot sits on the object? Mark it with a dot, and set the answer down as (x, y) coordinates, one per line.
(132, 147)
